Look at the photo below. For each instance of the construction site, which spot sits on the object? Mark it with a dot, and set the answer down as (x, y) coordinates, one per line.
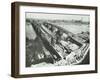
(51, 44)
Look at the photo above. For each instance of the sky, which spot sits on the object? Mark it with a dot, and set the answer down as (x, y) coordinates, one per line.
(57, 16)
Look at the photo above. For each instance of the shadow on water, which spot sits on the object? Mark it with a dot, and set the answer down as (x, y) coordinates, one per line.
(86, 59)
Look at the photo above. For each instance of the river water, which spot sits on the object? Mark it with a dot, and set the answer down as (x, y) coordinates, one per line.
(75, 28)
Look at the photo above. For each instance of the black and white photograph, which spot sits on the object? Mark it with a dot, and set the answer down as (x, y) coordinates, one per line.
(52, 39)
(57, 39)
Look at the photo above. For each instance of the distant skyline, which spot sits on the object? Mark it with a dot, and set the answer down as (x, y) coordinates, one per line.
(52, 16)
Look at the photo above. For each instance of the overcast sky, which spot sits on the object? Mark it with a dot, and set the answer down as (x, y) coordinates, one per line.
(57, 16)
